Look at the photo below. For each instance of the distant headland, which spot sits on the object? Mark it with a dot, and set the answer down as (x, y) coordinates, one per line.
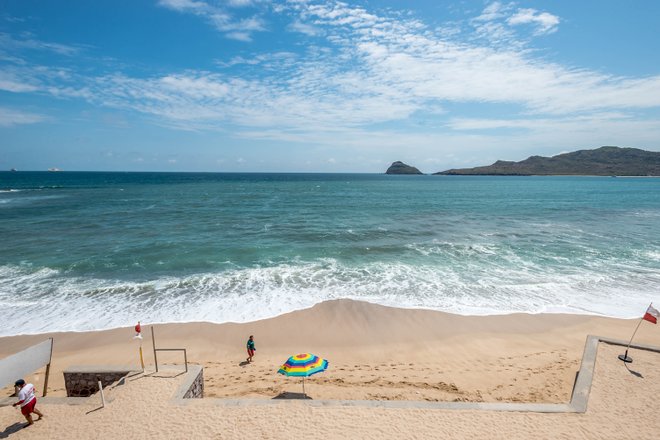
(603, 161)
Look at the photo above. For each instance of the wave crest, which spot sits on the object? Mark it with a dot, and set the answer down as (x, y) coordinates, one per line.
(52, 301)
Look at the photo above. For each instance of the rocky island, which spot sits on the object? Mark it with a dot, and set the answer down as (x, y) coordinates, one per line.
(401, 168)
(603, 161)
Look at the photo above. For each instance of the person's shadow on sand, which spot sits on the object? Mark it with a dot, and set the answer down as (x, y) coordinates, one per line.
(289, 395)
(12, 429)
(243, 363)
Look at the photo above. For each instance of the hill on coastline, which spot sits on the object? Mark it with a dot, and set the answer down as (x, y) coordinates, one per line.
(603, 161)
(399, 167)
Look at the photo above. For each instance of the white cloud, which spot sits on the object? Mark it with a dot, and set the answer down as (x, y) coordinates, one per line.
(13, 19)
(585, 121)
(226, 23)
(546, 22)
(11, 117)
(493, 11)
(368, 71)
(185, 5)
(221, 19)
(379, 69)
(11, 44)
(305, 28)
(496, 23)
(197, 87)
(11, 82)
(239, 36)
(276, 61)
(240, 3)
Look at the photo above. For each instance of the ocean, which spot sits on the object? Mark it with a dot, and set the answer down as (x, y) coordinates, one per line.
(82, 251)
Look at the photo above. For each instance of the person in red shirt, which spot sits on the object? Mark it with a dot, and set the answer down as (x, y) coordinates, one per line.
(27, 400)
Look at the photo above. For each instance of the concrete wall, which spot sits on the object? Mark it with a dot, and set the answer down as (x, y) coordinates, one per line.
(23, 363)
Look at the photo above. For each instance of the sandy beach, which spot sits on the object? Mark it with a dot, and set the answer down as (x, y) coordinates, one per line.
(376, 353)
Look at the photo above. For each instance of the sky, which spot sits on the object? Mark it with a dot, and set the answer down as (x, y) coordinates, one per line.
(321, 86)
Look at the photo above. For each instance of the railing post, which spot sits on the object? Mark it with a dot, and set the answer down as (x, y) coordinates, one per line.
(46, 380)
(153, 342)
(98, 379)
(50, 358)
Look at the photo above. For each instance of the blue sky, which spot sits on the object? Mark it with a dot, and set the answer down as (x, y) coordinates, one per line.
(321, 86)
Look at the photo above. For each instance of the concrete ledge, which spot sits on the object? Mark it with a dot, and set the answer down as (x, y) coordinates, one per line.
(192, 385)
(49, 400)
(399, 404)
(100, 368)
(582, 386)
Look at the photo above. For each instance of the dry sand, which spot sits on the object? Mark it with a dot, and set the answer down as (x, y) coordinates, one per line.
(375, 353)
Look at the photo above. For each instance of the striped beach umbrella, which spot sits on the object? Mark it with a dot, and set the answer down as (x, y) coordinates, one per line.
(303, 365)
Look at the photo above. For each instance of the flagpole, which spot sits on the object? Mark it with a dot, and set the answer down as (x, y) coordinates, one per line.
(141, 357)
(624, 357)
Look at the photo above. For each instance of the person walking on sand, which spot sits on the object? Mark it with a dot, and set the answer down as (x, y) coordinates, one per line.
(27, 400)
(250, 348)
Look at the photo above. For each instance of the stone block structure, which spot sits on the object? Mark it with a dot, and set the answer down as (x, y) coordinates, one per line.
(196, 389)
(82, 381)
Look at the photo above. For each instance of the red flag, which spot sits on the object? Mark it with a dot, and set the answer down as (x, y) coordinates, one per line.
(138, 328)
(651, 315)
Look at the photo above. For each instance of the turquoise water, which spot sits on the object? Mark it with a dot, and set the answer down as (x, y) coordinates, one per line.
(98, 250)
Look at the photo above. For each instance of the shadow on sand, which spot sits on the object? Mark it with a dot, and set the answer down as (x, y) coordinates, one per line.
(633, 372)
(94, 410)
(292, 396)
(11, 429)
(243, 363)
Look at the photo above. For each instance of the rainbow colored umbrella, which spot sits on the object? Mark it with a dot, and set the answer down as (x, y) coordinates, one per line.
(303, 365)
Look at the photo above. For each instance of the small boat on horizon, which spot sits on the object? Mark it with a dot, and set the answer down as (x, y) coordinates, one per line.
(54, 170)
(13, 170)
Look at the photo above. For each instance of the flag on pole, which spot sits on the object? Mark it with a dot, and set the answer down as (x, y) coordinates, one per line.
(651, 315)
(138, 335)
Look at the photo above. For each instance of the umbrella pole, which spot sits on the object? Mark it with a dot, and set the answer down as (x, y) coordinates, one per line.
(304, 387)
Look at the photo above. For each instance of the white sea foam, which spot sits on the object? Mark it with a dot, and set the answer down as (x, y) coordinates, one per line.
(51, 301)
(652, 255)
(29, 199)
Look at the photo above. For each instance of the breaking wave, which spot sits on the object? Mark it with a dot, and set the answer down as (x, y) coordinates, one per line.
(48, 300)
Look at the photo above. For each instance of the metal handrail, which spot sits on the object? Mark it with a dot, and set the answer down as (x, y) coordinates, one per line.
(153, 341)
(185, 355)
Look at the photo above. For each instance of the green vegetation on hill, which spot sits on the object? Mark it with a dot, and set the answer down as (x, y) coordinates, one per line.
(401, 168)
(603, 161)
